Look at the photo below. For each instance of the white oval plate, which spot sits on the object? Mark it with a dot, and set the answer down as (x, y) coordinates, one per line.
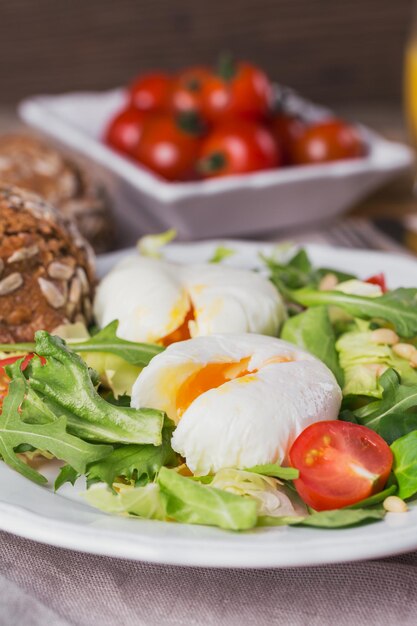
(63, 519)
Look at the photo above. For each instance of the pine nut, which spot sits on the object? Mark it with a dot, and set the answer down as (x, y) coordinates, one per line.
(394, 504)
(404, 350)
(328, 282)
(384, 336)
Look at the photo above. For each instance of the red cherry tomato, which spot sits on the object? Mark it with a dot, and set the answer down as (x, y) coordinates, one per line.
(332, 140)
(246, 92)
(167, 148)
(237, 147)
(149, 92)
(378, 279)
(339, 463)
(187, 89)
(124, 131)
(286, 130)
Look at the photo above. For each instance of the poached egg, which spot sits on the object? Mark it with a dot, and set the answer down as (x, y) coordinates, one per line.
(238, 400)
(160, 302)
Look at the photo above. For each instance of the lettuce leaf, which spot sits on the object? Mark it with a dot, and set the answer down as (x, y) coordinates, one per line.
(194, 503)
(144, 501)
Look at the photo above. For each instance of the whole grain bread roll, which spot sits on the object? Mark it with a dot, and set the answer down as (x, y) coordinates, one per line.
(46, 268)
(28, 162)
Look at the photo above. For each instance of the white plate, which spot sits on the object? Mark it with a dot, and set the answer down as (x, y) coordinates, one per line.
(64, 520)
(230, 206)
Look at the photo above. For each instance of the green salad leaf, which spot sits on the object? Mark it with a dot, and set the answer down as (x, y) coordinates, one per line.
(195, 503)
(106, 341)
(143, 501)
(361, 358)
(405, 464)
(274, 470)
(221, 253)
(63, 387)
(394, 415)
(399, 307)
(51, 437)
(139, 463)
(299, 272)
(313, 331)
(338, 518)
(377, 498)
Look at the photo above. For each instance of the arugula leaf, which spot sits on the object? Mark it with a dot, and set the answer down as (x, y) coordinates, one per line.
(299, 272)
(398, 307)
(51, 437)
(272, 469)
(220, 253)
(64, 386)
(105, 341)
(195, 503)
(67, 474)
(140, 463)
(313, 331)
(405, 464)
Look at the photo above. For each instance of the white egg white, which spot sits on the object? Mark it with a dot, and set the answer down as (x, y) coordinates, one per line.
(246, 421)
(151, 299)
(145, 295)
(229, 300)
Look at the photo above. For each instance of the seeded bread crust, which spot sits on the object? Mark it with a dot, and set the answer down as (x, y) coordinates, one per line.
(46, 268)
(31, 164)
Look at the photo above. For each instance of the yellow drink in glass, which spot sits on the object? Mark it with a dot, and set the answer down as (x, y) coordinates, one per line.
(410, 88)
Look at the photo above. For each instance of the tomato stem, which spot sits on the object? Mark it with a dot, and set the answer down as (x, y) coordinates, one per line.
(190, 122)
(212, 163)
(226, 67)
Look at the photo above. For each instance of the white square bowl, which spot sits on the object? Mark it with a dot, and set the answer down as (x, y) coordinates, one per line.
(242, 205)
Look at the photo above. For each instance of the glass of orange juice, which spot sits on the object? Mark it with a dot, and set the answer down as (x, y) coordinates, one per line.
(410, 86)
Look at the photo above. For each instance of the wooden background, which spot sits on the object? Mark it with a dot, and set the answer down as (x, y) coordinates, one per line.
(332, 50)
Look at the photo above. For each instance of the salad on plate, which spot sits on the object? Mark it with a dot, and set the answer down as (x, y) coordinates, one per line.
(206, 394)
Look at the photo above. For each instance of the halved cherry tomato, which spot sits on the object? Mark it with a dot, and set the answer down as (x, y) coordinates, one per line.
(149, 92)
(378, 279)
(187, 89)
(331, 140)
(125, 130)
(339, 463)
(286, 129)
(240, 89)
(168, 148)
(237, 147)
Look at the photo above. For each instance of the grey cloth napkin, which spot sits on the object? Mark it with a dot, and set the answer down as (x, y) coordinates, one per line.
(60, 587)
(42, 585)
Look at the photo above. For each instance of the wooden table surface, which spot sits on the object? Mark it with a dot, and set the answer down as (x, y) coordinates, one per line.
(393, 200)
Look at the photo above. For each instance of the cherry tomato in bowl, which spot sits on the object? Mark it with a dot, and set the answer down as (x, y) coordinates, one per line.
(331, 140)
(149, 92)
(169, 148)
(187, 90)
(286, 129)
(240, 89)
(238, 147)
(339, 463)
(125, 130)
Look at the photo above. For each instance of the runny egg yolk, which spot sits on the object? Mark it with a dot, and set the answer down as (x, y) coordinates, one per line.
(182, 332)
(214, 375)
(208, 377)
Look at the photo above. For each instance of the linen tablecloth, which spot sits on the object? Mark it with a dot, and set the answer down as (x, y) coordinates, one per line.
(41, 585)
